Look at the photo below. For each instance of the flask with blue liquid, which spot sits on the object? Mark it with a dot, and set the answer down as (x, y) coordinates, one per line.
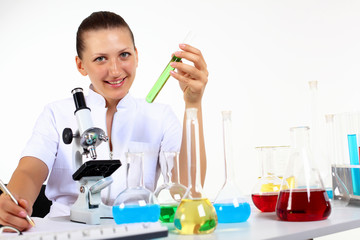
(230, 205)
(136, 203)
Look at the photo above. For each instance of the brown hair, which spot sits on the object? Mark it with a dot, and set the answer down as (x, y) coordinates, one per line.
(97, 21)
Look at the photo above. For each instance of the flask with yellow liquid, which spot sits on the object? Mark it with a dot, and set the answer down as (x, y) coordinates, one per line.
(195, 213)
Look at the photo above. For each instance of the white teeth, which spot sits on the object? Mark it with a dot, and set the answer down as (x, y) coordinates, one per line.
(117, 82)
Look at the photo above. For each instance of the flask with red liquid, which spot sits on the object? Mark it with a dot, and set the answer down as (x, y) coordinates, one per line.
(302, 194)
(273, 160)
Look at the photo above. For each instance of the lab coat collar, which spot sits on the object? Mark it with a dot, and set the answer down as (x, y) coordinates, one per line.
(95, 99)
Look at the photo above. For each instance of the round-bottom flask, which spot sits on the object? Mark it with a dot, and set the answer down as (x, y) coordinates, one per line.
(136, 203)
(195, 213)
(266, 190)
(170, 193)
(230, 205)
(302, 194)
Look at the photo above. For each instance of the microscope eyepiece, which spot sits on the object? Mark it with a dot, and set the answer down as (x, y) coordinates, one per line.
(79, 99)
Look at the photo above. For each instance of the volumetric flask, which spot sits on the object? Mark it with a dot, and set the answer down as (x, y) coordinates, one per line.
(302, 194)
(229, 203)
(170, 193)
(195, 214)
(273, 161)
(136, 203)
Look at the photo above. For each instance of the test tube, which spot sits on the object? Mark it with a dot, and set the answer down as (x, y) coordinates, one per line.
(166, 73)
(353, 152)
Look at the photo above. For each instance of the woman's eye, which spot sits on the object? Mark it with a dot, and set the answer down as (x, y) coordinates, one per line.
(99, 59)
(124, 54)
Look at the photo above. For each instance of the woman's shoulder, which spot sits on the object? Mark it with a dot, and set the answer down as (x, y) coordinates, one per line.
(62, 106)
(61, 103)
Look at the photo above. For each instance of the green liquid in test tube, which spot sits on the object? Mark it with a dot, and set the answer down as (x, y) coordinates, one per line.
(165, 74)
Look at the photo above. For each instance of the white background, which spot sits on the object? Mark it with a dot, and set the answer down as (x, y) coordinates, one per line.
(261, 54)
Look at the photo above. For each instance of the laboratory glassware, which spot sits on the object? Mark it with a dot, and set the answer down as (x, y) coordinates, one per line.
(135, 203)
(166, 73)
(302, 194)
(170, 193)
(317, 137)
(266, 189)
(231, 206)
(347, 145)
(342, 184)
(195, 213)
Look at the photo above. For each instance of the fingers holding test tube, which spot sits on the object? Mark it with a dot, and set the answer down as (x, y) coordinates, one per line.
(192, 79)
(12, 214)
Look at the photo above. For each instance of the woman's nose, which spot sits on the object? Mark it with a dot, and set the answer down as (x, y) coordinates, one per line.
(115, 67)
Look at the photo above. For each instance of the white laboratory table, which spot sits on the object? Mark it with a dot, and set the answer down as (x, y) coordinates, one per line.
(267, 226)
(259, 226)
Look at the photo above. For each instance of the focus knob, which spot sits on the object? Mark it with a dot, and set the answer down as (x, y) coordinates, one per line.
(67, 135)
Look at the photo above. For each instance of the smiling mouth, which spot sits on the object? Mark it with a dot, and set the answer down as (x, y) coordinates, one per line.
(116, 82)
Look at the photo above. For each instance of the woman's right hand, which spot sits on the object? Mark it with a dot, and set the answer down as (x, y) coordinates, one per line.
(13, 215)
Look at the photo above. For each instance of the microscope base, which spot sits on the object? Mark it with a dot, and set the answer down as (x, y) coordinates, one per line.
(90, 216)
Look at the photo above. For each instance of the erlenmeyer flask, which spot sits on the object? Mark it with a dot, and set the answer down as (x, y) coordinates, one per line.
(170, 193)
(229, 203)
(195, 214)
(266, 190)
(302, 194)
(135, 203)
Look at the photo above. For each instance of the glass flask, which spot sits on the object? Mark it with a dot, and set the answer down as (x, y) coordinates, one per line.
(302, 194)
(230, 205)
(341, 181)
(266, 190)
(170, 193)
(195, 213)
(136, 203)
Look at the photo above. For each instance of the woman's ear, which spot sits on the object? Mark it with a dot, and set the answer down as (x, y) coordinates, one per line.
(137, 57)
(80, 66)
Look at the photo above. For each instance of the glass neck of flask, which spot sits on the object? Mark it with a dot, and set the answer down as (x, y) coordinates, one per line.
(193, 153)
(227, 140)
(268, 164)
(134, 170)
(172, 167)
(300, 137)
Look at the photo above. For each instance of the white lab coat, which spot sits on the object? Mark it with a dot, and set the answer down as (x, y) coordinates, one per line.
(137, 126)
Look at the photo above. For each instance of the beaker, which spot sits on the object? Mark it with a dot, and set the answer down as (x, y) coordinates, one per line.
(195, 214)
(136, 203)
(229, 203)
(170, 193)
(273, 161)
(302, 194)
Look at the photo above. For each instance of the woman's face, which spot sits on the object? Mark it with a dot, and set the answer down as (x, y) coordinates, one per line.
(110, 59)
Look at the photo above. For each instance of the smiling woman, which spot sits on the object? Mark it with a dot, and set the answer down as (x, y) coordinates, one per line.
(112, 68)
(106, 53)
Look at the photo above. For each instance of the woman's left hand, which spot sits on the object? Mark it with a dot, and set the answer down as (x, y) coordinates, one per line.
(192, 79)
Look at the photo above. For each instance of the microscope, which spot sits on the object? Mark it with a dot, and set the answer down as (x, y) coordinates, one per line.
(93, 175)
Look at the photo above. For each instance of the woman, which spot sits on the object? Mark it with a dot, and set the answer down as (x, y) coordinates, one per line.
(108, 56)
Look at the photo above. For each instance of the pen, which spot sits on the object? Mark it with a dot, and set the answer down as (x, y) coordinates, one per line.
(7, 192)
